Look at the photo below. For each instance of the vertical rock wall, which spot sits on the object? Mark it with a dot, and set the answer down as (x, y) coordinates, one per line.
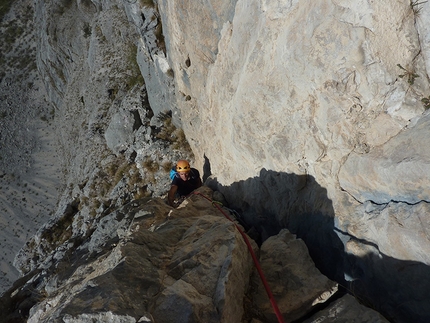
(272, 92)
(298, 107)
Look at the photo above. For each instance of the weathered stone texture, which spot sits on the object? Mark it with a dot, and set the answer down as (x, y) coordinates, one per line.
(311, 88)
(347, 310)
(299, 108)
(293, 86)
(148, 262)
(395, 171)
(295, 282)
(187, 265)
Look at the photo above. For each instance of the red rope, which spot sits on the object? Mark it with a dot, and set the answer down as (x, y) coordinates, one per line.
(254, 258)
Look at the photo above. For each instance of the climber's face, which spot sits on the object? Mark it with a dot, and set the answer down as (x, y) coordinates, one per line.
(184, 176)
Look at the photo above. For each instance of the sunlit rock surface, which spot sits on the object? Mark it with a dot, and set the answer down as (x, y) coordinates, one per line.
(308, 115)
(148, 262)
(395, 171)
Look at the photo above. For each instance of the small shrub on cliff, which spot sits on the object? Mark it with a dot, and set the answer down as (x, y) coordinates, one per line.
(416, 7)
(166, 131)
(410, 75)
(141, 193)
(147, 3)
(150, 165)
(136, 184)
(160, 37)
(170, 134)
(87, 30)
(4, 8)
(120, 173)
(61, 230)
(426, 102)
(12, 32)
(134, 177)
(181, 142)
(167, 166)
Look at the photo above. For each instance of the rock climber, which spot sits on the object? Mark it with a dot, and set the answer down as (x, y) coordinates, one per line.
(185, 181)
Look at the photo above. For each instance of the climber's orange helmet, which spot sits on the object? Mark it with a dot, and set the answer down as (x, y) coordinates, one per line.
(183, 166)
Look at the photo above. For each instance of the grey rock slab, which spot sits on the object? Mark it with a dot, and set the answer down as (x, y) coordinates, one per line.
(399, 230)
(167, 265)
(296, 283)
(395, 171)
(347, 310)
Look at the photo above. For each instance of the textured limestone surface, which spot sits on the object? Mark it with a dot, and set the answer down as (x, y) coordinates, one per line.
(149, 262)
(304, 111)
(394, 171)
(347, 309)
(293, 86)
(402, 230)
(297, 284)
(308, 115)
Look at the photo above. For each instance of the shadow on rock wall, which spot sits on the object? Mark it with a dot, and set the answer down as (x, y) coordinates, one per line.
(274, 200)
(396, 288)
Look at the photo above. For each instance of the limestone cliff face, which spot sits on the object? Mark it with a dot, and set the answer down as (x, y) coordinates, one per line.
(297, 86)
(308, 114)
(272, 94)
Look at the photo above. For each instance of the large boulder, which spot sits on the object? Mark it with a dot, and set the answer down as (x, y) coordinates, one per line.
(296, 283)
(143, 260)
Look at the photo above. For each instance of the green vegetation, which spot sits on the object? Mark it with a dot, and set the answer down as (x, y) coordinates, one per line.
(13, 31)
(108, 176)
(167, 166)
(87, 30)
(121, 171)
(61, 231)
(147, 3)
(150, 165)
(426, 102)
(99, 34)
(4, 7)
(409, 74)
(63, 6)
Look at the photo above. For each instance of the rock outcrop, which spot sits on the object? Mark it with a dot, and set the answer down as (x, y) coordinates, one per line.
(329, 91)
(309, 115)
(148, 262)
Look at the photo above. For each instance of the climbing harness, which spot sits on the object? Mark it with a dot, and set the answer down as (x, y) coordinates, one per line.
(254, 257)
